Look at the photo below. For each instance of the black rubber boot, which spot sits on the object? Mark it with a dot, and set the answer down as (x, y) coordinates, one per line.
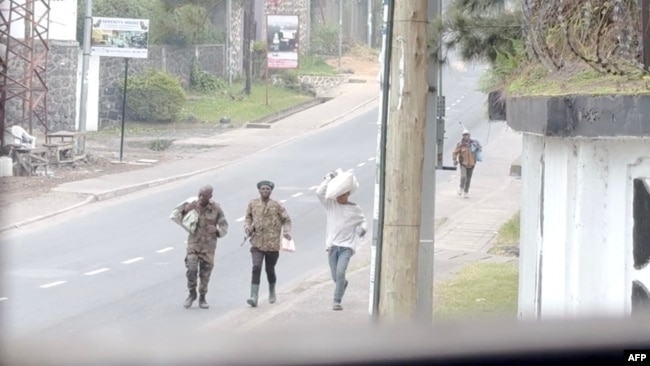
(190, 299)
(252, 301)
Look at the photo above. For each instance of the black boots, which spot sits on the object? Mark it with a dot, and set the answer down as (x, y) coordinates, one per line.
(252, 301)
(202, 303)
(190, 299)
(272, 293)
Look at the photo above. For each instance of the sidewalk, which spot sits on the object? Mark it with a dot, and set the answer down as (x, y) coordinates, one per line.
(347, 100)
(465, 236)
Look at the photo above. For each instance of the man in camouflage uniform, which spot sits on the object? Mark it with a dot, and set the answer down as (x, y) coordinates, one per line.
(201, 245)
(266, 222)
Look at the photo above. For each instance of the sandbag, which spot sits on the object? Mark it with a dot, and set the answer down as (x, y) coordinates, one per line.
(342, 183)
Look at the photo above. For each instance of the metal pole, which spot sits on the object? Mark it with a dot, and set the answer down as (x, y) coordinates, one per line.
(645, 32)
(424, 305)
(126, 79)
(83, 103)
(369, 38)
(440, 132)
(380, 179)
(340, 32)
(229, 41)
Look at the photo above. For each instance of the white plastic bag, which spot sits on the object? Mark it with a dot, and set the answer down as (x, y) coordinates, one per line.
(288, 245)
(190, 220)
(342, 183)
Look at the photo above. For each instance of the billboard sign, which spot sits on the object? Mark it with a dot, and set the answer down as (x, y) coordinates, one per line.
(282, 41)
(119, 37)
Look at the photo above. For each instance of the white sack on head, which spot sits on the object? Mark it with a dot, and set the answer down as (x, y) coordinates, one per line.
(342, 183)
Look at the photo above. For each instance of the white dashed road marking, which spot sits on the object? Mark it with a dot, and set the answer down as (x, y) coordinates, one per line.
(240, 219)
(97, 271)
(313, 188)
(361, 164)
(52, 284)
(283, 201)
(297, 194)
(371, 159)
(164, 250)
(132, 260)
(3, 299)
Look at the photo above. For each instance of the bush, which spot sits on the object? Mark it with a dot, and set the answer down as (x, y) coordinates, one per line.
(325, 41)
(203, 81)
(155, 96)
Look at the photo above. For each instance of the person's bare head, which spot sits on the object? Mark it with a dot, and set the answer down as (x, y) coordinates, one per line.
(205, 194)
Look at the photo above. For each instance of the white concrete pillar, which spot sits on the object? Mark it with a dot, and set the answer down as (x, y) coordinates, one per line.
(597, 271)
(554, 227)
(530, 226)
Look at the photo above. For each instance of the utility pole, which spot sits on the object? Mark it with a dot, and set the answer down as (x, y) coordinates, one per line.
(249, 31)
(645, 32)
(428, 212)
(229, 41)
(404, 162)
(340, 32)
(83, 103)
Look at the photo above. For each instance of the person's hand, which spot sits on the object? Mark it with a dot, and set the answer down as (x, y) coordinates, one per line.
(190, 206)
(455, 162)
(212, 229)
(331, 175)
(362, 233)
(248, 231)
(287, 236)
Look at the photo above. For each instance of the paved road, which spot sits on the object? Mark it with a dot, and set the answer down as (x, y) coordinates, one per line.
(118, 264)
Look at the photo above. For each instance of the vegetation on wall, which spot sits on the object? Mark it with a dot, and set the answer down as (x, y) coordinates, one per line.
(540, 40)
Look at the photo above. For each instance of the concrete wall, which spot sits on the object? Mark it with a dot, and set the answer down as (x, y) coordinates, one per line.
(576, 225)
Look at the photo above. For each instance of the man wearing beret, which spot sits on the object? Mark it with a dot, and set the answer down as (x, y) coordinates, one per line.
(265, 224)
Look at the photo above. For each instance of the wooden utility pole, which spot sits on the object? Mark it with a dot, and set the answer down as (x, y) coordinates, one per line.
(404, 162)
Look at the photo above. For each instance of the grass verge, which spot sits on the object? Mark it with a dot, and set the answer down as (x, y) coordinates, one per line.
(210, 108)
(479, 290)
(507, 239)
(206, 110)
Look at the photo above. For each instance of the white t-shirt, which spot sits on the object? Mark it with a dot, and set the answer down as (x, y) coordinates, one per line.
(344, 221)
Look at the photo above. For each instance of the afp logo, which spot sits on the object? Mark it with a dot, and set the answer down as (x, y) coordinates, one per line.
(638, 356)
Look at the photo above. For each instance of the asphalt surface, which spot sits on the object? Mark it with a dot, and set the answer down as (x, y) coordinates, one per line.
(115, 266)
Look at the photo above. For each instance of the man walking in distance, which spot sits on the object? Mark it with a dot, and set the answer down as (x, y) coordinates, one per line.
(346, 224)
(464, 154)
(210, 224)
(266, 221)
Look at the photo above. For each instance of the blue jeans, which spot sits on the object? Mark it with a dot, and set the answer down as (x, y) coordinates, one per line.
(339, 258)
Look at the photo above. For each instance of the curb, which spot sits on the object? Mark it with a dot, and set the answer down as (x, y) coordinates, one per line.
(266, 122)
(106, 195)
(89, 199)
(341, 116)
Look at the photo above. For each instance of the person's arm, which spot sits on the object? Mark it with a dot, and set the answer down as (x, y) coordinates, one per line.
(322, 188)
(286, 222)
(454, 155)
(222, 223)
(248, 222)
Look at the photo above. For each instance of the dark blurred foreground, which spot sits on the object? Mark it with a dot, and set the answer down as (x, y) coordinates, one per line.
(591, 341)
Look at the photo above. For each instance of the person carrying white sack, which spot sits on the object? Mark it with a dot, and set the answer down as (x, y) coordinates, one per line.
(346, 226)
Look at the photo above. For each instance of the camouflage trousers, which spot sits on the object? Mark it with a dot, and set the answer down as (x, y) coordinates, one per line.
(199, 265)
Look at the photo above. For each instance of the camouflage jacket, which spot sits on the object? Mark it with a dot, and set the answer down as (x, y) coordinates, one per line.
(268, 220)
(211, 215)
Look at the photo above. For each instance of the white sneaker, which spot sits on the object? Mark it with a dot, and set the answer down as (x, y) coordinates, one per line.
(466, 195)
(460, 191)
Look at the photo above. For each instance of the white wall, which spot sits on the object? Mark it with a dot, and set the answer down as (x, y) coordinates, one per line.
(585, 245)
